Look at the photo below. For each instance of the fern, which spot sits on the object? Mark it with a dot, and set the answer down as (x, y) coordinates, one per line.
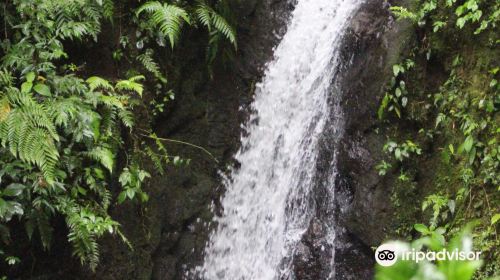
(167, 18)
(6, 78)
(203, 13)
(224, 28)
(146, 59)
(59, 133)
(75, 20)
(64, 110)
(209, 18)
(108, 9)
(85, 226)
(30, 134)
(403, 13)
(4, 109)
(104, 156)
(126, 117)
(99, 83)
(131, 85)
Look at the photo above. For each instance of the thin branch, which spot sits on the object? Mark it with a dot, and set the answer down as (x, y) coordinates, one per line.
(180, 142)
(489, 209)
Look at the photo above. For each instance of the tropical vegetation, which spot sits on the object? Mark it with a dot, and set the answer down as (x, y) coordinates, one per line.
(64, 130)
(457, 123)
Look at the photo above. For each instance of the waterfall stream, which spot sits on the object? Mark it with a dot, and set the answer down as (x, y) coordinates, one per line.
(268, 204)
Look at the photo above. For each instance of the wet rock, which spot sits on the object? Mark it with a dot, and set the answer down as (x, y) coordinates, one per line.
(373, 43)
(312, 258)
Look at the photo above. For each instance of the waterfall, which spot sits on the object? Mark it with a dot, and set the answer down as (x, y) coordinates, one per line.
(268, 204)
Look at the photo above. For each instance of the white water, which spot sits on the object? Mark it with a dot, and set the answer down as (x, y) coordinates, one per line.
(268, 205)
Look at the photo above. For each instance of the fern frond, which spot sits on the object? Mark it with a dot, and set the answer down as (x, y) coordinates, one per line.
(111, 101)
(64, 110)
(225, 28)
(209, 18)
(108, 122)
(104, 156)
(137, 78)
(146, 59)
(6, 78)
(108, 9)
(4, 109)
(131, 85)
(85, 226)
(126, 117)
(202, 12)
(31, 134)
(156, 159)
(98, 82)
(167, 18)
(106, 197)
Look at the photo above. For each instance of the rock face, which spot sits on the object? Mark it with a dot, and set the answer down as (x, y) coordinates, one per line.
(373, 43)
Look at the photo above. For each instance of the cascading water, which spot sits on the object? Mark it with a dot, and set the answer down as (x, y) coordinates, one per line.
(268, 204)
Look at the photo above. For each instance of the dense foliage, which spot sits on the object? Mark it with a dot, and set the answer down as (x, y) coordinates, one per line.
(462, 109)
(62, 129)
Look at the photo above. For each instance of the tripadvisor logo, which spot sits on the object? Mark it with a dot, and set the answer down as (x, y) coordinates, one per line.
(388, 254)
(385, 255)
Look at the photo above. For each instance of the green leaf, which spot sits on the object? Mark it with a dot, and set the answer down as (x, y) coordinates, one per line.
(397, 154)
(125, 178)
(461, 22)
(452, 149)
(421, 228)
(439, 238)
(495, 219)
(144, 197)
(122, 196)
(12, 260)
(30, 77)
(107, 159)
(177, 161)
(472, 156)
(42, 89)
(404, 101)
(469, 141)
(398, 92)
(383, 106)
(26, 87)
(3, 207)
(130, 193)
(396, 69)
(14, 189)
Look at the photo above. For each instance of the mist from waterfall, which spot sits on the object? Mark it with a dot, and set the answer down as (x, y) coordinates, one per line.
(268, 203)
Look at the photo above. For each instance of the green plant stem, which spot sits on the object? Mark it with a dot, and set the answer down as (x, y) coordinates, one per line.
(180, 142)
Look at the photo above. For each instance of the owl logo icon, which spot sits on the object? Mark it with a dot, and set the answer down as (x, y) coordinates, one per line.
(385, 255)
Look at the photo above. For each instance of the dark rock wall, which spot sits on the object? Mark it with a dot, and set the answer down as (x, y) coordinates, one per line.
(373, 43)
